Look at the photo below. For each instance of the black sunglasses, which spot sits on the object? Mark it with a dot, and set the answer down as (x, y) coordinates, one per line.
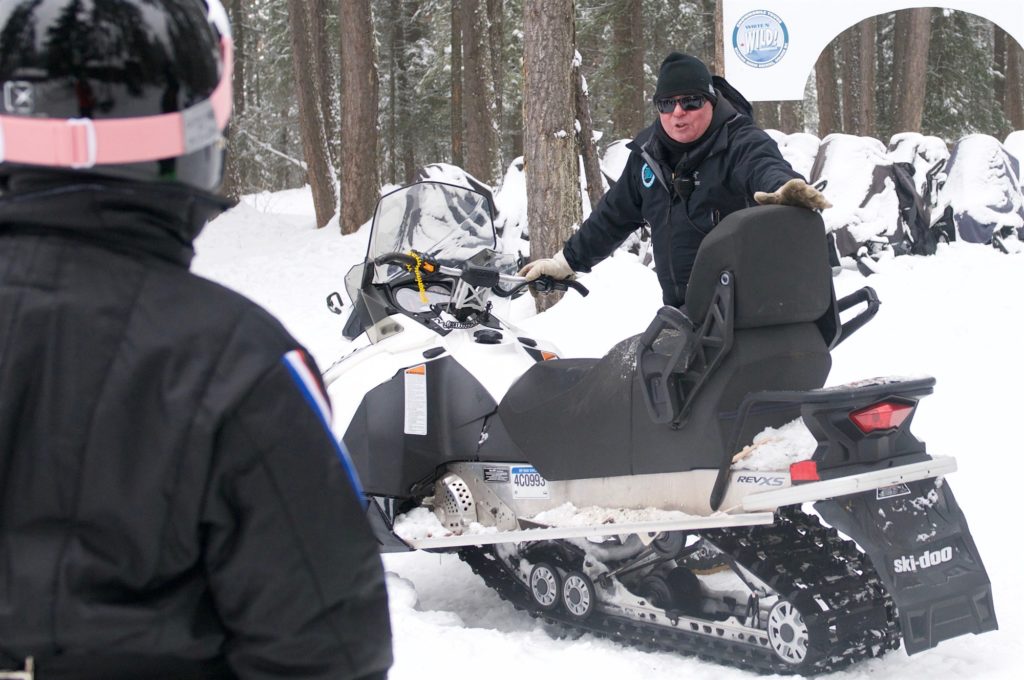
(689, 103)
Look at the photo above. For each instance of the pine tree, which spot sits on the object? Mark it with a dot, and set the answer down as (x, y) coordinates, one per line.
(961, 91)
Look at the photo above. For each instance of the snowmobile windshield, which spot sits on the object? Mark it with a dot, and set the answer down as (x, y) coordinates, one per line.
(448, 224)
(445, 223)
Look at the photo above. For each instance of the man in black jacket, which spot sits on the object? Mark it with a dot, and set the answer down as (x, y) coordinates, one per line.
(172, 501)
(699, 161)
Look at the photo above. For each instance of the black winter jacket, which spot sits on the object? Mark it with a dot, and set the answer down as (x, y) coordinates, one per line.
(740, 159)
(169, 495)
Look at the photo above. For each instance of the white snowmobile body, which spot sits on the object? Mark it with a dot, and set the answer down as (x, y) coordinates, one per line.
(620, 471)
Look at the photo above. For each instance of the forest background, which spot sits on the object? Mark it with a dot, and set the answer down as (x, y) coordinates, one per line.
(348, 95)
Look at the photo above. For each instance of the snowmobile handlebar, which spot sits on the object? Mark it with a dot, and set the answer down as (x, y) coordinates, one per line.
(542, 285)
(481, 276)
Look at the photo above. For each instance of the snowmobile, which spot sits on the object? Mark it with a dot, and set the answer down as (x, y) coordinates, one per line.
(602, 495)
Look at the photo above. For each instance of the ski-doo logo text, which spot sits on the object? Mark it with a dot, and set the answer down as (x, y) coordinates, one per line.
(760, 480)
(909, 563)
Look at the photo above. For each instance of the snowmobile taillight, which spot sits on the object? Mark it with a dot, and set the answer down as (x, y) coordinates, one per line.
(804, 471)
(886, 415)
(548, 356)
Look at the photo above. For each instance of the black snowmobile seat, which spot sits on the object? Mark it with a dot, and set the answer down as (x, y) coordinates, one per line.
(550, 379)
(594, 421)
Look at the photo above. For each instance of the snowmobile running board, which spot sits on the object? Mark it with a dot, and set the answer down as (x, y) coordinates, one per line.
(554, 533)
(844, 486)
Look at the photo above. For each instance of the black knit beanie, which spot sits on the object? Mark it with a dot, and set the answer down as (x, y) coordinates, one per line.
(683, 74)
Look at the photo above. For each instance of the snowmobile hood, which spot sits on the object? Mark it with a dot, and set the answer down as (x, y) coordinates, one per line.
(161, 220)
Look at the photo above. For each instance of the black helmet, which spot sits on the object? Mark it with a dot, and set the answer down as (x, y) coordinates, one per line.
(138, 89)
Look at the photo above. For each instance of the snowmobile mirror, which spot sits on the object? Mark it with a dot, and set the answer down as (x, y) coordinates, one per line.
(335, 303)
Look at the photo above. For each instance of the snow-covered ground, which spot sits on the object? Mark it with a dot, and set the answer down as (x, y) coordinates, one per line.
(958, 315)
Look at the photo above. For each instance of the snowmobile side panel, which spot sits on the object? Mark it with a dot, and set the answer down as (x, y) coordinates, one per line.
(391, 461)
(918, 540)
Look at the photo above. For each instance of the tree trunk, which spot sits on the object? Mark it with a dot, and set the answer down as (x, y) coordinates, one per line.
(849, 42)
(718, 66)
(588, 148)
(791, 117)
(866, 103)
(552, 168)
(913, 71)
(412, 33)
(401, 143)
(395, 70)
(999, 40)
(828, 103)
(496, 28)
(767, 115)
(359, 179)
(314, 142)
(1014, 84)
(234, 173)
(627, 68)
(478, 99)
(708, 16)
(458, 155)
(324, 74)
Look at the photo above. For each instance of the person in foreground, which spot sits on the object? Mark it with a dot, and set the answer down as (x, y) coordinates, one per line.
(172, 502)
(699, 161)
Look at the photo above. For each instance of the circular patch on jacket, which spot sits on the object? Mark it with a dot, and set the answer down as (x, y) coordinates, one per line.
(760, 39)
(647, 176)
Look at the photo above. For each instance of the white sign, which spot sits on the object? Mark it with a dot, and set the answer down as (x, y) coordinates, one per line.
(771, 46)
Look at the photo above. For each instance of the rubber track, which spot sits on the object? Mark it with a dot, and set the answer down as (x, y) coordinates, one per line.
(808, 564)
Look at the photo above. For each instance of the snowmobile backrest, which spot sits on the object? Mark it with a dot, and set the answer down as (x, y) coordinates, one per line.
(778, 256)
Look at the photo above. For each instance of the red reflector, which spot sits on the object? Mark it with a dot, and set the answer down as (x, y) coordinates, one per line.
(804, 471)
(886, 415)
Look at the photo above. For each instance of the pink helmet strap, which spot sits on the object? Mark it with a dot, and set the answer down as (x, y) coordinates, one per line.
(83, 142)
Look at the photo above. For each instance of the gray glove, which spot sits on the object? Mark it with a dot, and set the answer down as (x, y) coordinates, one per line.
(794, 192)
(556, 267)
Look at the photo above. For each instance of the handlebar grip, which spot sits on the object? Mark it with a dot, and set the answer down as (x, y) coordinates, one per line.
(402, 259)
(578, 287)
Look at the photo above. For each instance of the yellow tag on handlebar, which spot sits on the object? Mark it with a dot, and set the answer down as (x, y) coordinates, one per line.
(419, 277)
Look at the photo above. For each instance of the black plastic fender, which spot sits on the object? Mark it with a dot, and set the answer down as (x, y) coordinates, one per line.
(919, 542)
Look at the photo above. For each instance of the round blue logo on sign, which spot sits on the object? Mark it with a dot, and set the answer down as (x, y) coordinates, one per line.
(760, 39)
(647, 176)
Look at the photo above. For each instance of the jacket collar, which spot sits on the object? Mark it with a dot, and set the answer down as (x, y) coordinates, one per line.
(156, 219)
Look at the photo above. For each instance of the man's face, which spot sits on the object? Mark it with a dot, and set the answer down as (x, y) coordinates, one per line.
(686, 126)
